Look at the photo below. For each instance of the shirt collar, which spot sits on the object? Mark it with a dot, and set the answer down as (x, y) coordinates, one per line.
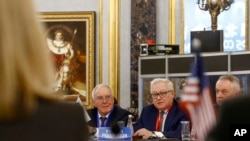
(167, 110)
(99, 115)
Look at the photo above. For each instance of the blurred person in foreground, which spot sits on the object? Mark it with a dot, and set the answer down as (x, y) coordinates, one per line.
(150, 124)
(28, 110)
(105, 108)
(227, 86)
(232, 115)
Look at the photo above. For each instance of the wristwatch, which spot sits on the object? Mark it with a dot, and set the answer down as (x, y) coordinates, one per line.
(153, 135)
(156, 134)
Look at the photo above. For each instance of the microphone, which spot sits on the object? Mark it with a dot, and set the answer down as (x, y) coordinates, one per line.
(116, 129)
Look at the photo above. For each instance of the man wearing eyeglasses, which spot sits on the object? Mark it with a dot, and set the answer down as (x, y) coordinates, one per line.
(162, 118)
(105, 113)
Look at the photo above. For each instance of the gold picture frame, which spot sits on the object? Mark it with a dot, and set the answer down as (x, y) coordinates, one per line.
(70, 38)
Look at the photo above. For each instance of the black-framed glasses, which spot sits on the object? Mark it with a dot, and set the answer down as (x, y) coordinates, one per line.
(102, 98)
(161, 94)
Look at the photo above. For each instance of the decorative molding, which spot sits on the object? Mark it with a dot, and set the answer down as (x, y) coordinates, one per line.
(114, 45)
(100, 37)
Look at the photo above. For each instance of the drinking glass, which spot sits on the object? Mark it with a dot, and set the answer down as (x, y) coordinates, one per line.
(185, 131)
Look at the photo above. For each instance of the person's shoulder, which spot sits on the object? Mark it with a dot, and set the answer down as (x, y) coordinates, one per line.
(176, 106)
(120, 109)
(148, 110)
(60, 105)
(149, 107)
(92, 111)
(177, 109)
(60, 109)
(236, 105)
(239, 101)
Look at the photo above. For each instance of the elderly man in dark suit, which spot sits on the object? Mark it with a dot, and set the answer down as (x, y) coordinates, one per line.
(105, 113)
(163, 117)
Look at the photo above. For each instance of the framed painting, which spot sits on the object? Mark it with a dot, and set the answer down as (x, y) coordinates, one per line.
(70, 39)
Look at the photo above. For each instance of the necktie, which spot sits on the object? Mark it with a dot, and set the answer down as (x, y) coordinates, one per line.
(160, 121)
(102, 121)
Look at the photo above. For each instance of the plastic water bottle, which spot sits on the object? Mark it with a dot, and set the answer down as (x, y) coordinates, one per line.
(130, 124)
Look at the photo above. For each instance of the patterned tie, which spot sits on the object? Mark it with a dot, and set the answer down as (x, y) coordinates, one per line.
(160, 120)
(102, 121)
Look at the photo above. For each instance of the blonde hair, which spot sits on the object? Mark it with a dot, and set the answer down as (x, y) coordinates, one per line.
(26, 70)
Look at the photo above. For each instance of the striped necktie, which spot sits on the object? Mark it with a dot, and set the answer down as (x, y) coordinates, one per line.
(160, 121)
(102, 120)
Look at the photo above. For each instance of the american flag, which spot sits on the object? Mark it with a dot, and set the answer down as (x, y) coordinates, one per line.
(196, 99)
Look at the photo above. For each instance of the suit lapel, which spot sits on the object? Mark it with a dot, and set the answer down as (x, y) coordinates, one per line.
(112, 117)
(153, 114)
(94, 117)
(170, 117)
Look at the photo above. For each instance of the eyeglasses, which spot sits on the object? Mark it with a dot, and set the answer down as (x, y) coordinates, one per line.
(102, 98)
(161, 94)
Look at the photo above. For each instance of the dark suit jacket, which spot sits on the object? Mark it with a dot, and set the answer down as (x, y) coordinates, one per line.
(233, 111)
(172, 126)
(118, 114)
(51, 122)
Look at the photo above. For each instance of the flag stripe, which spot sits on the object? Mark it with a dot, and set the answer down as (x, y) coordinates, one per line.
(197, 101)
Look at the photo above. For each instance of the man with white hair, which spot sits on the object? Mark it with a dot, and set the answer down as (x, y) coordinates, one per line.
(162, 118)
(227, 86)
(105, 112)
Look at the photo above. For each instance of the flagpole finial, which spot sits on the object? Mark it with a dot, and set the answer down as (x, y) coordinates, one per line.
(196, 44)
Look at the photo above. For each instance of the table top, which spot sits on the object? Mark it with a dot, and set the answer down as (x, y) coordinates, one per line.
(169, 139)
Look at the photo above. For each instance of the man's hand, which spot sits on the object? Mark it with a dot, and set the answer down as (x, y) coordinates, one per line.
(144, 133)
